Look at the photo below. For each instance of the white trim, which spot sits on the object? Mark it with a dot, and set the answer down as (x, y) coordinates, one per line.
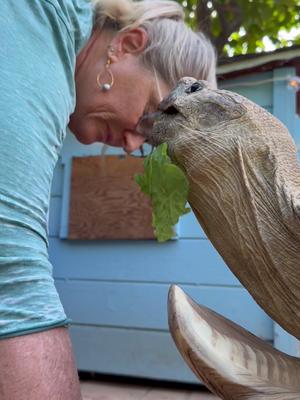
(257, 61)
(254, 83)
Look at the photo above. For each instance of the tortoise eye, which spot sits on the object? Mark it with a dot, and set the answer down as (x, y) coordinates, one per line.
(195, 87)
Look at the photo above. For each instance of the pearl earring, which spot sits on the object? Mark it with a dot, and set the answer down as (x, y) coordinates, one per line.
(105, 87)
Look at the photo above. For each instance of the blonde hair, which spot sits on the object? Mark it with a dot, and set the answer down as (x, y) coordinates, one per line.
(173, 49)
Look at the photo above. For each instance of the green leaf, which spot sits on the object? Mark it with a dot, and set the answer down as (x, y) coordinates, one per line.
(167, 187)
(258, 17)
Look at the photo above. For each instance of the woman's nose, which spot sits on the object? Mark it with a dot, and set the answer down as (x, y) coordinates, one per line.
(132, 141)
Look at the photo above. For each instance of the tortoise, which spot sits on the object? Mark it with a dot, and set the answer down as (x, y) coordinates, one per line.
(244, 176)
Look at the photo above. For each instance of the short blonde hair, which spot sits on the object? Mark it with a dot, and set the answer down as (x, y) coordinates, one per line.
(173, 49)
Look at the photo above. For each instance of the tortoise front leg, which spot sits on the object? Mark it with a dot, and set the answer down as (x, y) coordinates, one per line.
(229, 360)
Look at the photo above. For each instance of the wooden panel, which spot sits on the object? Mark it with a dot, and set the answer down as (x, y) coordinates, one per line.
(72, 148)
(144, 306)
(106, 203)
(128, 352)
(183, 261)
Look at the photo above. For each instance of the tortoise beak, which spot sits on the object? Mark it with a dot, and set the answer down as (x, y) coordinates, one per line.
(145, 125)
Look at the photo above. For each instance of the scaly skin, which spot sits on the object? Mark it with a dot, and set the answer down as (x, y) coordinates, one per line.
(244, 177)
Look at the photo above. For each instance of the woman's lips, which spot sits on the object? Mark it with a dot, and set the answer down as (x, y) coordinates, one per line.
(110, 138)
(129, 139)
(107, 138)
(132, 141)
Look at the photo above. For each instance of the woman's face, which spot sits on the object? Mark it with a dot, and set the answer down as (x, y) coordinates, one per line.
(111, 116)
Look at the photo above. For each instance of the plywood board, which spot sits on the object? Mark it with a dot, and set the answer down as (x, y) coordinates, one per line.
(105, 201)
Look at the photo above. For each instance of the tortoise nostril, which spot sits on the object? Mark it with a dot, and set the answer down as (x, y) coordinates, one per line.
(195, 87)
(171, 110)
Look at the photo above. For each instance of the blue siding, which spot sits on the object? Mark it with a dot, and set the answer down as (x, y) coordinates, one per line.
(257, 87)
(285, 110)
(131, 352)
(284, 107)
(136, 305)
(116, 292)
(185, 261)
(285, 342)
(55, 216)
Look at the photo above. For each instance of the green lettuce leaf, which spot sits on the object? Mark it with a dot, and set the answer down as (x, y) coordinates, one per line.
(167, 187)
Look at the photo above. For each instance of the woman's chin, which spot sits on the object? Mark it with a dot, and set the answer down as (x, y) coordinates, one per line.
(84, 139)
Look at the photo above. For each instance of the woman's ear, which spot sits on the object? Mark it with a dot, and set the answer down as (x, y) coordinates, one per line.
(131, 42)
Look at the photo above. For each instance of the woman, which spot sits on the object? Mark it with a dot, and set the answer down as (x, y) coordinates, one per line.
(125, 57)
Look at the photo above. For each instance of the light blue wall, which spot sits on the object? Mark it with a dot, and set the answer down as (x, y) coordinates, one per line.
(116, 292)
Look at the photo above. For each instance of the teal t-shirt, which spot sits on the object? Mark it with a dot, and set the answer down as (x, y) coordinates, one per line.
(39, 42)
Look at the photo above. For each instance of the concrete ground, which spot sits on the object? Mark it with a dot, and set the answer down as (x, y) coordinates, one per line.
(97, 390)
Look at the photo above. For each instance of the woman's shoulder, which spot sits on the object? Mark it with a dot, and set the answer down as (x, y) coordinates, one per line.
(77, 16)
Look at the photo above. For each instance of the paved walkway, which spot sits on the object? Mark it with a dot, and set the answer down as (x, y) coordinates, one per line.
(121, 391)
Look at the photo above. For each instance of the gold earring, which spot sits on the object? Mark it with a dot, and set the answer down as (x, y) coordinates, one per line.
(105, 87)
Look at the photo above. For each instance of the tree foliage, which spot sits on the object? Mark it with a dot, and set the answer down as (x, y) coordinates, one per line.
(245, 26)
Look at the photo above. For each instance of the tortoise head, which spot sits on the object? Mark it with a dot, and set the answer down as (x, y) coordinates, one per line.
(191, 107)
